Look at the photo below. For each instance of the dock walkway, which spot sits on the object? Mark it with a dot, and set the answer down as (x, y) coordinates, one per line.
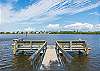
(50, 61)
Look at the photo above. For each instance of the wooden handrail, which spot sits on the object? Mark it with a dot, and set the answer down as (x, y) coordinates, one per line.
(28, 41)
(66, 54)
(36, 54)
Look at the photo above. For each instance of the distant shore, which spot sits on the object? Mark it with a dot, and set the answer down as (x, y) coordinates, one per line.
(43, 32)
(75, 33)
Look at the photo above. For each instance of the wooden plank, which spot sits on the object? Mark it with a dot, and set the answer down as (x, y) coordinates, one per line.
(49, 56)
(30, 46)
(76, 48)
(50, 61)
(27, 48)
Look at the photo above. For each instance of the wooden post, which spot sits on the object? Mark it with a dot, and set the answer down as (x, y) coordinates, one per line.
(62, 45)
(86, 51)
(56, 47)
(71, 45)
(15, 47)
(31, 44)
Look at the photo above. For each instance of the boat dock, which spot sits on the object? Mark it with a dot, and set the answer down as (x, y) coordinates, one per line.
(49, 57)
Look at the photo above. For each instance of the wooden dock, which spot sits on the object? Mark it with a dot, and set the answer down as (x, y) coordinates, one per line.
(45, 57)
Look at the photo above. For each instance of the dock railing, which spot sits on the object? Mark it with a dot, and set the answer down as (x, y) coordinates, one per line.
(26, 45)
(66, 54)
(74, 45)
(37, 57)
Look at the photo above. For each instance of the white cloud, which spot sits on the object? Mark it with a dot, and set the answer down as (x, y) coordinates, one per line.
(76, 26)
(32, 11)
(95, 13)
(28, 29)
(82, 26)
(87, 8)
(79, 26)
(35, 11)
(5, 14)
(97, 27)
(78, 1)
(75, 9)
(53, 27)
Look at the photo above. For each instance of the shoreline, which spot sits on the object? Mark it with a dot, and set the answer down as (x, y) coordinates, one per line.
(52, 32)
(56, 34)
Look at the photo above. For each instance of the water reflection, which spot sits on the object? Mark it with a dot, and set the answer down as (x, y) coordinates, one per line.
(79, 63)
(53, 66)
(21, 63)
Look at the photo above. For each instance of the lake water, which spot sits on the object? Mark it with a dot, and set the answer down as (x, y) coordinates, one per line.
(9, 62)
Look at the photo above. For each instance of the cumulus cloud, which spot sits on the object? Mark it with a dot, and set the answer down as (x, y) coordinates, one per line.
(53, 27)
(76, 26)
(79, 26)
(97, 27)
(28, 29)
(82, 26)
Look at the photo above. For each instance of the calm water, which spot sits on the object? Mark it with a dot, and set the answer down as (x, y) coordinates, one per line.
(9, 62)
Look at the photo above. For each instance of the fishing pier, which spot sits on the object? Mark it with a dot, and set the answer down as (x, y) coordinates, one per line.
(49, 57)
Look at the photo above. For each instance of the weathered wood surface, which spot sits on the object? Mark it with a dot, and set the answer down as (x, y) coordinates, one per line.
(34, 57)
(27, 45)
(50, 61)
(74, 45)
(60, 49)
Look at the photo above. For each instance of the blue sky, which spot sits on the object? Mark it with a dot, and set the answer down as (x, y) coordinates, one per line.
(49, 15)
